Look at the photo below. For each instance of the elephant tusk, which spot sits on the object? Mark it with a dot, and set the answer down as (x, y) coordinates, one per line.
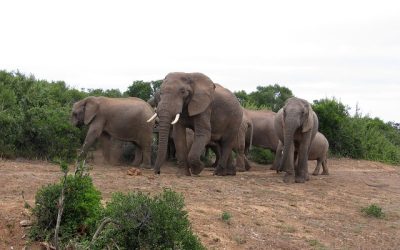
(152, 118)
(176, 119)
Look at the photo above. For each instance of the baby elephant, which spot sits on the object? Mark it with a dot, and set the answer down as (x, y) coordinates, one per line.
(318, 151)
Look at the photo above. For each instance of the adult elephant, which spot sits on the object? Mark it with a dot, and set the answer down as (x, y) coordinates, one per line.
(120, 118)
(244, 136)
(318, 151)
(211, 111)
(296, 125)
(264, 135)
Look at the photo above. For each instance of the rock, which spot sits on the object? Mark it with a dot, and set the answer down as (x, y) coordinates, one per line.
(134, 172)
(25, 223)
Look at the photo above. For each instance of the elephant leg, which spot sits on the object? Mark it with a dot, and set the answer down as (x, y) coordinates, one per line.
(201, 139)
(278, 157)
(325, 170)
(105, 141)
(217, 153)
(146, 162)
(247, 165)
(289, 176)
(138, 156)
(317, 168)
(226, 150)
(179, 136)
(93, 133)
(302, 167)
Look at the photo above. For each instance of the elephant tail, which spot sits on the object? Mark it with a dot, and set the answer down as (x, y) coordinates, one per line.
(249, 137)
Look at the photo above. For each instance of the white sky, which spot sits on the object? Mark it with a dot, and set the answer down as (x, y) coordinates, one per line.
(346, 49)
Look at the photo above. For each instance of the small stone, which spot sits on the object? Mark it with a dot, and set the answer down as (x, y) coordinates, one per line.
(25, 223)
(134, 172)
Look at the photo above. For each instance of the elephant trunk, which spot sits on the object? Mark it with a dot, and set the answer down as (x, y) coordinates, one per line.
(287, 162)
(163, 130)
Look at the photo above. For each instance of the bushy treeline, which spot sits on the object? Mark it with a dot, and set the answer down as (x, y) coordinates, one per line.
(357, 136)
(34, 119)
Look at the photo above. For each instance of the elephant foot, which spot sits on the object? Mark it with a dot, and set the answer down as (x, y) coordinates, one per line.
(315, 173)
(300, 179)
(183, 172)
(241, 169)
(220, 171)
(288, 178)
(231, 172)
(273, 167)
(247, 167)
(325, 173)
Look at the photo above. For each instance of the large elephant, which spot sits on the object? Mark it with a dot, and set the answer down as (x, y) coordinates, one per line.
(296, 125)
(211, 111)
(318, 151)
(244, 137)
(120, 118)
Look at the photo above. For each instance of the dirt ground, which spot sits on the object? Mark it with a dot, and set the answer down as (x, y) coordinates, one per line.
(266, 213)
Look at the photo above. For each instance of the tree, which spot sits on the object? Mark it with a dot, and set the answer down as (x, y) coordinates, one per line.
(271, 96)
(332, 115)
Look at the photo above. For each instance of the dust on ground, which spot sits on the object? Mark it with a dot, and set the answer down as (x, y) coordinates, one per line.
(323, 213)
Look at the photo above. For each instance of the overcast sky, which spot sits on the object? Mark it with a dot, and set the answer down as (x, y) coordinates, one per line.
(344, 49)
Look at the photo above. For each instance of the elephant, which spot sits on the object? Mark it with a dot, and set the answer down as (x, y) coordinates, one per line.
(120, 118)
(296, 125)
(318, 151)
(210, 110)
(264, 135)
(244, 136)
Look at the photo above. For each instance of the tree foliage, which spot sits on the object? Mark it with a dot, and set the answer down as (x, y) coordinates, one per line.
(143, 90)
(272, 97)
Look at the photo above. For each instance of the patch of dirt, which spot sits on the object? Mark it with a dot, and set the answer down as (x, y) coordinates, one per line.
(266, 213)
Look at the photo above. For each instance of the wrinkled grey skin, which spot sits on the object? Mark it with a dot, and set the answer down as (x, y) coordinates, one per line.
(244, 136)
(120, 118)
(296, 125)
(211, 111)
(318, 151)
(264, 135)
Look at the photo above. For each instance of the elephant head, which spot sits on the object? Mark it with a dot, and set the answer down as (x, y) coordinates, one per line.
(181, 95)
(296, 125)
(84, 111)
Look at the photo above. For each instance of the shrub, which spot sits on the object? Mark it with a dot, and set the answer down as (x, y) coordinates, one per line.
(142, 222)
(261, 156)
(226, 217)
(373, 210)
(82, 208)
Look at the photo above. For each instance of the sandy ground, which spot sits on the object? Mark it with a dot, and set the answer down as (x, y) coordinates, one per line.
(266, 213)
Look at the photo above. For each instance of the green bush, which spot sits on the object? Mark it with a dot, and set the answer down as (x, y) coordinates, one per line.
(373, 210)
(82, 208)
(357, 137)
(143, 222)
(261, 155)
(226, 217)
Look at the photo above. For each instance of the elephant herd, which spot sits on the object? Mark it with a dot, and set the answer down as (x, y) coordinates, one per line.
(198, 114)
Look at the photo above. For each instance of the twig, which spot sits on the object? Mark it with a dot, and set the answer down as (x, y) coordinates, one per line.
(101, 227)
(60, 211)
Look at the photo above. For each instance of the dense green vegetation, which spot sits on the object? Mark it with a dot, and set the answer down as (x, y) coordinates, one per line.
(82, 209)
(129, 221)
(34, 120)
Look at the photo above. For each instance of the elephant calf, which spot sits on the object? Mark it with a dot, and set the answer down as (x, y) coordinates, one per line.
(318, 151)
(120, 118)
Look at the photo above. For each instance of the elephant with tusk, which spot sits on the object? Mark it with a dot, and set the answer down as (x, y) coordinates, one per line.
(193, 100)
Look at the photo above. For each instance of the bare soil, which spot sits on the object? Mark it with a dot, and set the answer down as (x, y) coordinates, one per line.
(323, 213)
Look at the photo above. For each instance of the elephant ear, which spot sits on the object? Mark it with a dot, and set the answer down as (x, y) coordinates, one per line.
(203, 93)
(91, 108)
(309, 121)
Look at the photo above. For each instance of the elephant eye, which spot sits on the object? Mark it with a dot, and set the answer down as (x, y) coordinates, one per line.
(182, 91)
